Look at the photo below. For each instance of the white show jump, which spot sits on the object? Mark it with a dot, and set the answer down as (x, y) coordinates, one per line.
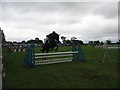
(57, 54)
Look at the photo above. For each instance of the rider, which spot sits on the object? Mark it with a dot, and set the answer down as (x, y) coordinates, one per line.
(53, 35)
(50, 41)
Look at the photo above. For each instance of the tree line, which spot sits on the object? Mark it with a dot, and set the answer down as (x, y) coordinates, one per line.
(65, 41)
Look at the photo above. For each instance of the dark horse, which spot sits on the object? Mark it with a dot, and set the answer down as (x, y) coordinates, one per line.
(51, 42)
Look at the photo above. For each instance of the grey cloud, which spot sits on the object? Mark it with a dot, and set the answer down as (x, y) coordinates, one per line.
(108, 10)
(0, 12)
(84, 20)
(63, 7)
(119, 10)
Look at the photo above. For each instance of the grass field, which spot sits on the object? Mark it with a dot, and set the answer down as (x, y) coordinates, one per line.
(89, 74)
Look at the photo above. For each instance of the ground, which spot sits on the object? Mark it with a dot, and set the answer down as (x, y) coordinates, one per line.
(89, 74)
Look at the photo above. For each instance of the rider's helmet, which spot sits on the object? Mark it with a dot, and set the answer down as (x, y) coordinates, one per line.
(53, 32)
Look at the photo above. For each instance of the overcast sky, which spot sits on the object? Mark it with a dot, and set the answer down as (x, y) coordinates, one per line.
(84, 20)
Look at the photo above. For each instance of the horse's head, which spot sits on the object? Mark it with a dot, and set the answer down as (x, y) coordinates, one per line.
(48, 36)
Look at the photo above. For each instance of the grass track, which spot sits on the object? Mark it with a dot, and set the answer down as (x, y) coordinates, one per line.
(90, 74)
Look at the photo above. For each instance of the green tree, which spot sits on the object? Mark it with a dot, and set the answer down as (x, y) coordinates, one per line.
(3, 36)
(23, 42)
(68, 42)
(73, 38)
(91, 42)
(38, 41)
(81, 42)
(96, 42)
(108, 41)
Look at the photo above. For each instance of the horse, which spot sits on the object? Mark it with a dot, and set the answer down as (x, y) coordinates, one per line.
(51, 41)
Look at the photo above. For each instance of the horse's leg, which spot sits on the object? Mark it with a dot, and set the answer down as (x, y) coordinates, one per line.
(43, 49)
(46, 52)
(44, 55)
(51, 49)
(56, 48)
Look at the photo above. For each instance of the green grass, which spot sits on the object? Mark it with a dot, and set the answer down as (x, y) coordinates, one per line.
(89, 74)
